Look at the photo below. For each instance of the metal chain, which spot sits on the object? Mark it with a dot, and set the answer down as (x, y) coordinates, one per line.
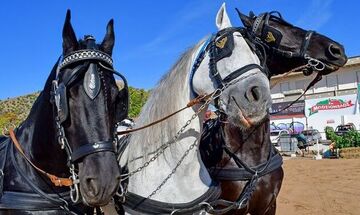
(217, 93)
(174, 140)
(174, 169)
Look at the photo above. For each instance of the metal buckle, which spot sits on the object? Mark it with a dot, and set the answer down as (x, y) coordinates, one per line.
(208, 207)
(74, 189)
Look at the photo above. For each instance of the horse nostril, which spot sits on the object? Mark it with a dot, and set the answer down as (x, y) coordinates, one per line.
(93, 190)
(253, 94)
(334, 51)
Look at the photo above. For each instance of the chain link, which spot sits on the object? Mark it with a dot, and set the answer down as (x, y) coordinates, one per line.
(192, 146)
(162, 148)
(217, 93)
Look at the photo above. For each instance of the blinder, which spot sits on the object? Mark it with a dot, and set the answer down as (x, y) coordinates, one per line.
(271, 36)
(224, 46)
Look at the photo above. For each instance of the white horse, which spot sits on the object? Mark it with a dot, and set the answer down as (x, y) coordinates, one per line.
(176, 175)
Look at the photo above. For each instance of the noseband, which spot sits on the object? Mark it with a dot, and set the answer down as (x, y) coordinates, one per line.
(220, 45)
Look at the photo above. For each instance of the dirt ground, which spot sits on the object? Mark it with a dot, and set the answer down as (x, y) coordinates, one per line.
(328, 186)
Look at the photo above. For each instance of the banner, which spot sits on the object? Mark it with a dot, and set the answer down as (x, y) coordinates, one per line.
(297, 109)
(337, 105)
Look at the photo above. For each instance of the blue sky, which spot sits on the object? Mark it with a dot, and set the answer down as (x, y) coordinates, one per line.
(150, 35)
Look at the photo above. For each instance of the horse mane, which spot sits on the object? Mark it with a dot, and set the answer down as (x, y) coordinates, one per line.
(170, 94)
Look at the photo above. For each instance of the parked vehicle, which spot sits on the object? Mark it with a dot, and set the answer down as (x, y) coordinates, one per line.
(312, 136)
(342, 129)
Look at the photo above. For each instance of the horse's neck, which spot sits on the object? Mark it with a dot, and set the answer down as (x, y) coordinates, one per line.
(190, 180)
(37, 137)
(251, 146)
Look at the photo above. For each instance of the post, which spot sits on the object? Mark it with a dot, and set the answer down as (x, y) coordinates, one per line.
(318, 156)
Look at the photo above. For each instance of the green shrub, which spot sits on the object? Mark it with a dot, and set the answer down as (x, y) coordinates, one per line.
(349, 139)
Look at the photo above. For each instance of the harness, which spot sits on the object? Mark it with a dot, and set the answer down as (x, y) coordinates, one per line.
(219, 46)
(243, 172)
(141, 204)
(39, 200)
(94, 60)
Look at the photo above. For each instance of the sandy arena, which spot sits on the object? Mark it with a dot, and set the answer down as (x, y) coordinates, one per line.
(320, 187)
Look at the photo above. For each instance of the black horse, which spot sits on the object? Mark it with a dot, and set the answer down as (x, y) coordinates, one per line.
(243, 159)
(67, 141)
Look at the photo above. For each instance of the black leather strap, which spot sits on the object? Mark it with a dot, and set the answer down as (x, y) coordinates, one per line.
(55, 201)
(241, 71)
(3, 154)
(241, 174)
(148, 206)
(91, 148)
(29, 201)
(305, 43)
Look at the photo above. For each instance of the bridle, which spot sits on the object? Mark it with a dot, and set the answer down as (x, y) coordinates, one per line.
(270, 39)
(92, 58)
(221, 45)
(267, 37)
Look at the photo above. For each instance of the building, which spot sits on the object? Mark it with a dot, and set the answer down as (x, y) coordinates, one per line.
(332, 101)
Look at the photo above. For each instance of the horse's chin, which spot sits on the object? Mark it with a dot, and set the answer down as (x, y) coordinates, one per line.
(93, 202)
(245, 122)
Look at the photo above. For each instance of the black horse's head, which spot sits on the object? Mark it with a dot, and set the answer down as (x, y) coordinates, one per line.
(293, 45)
(88, 104)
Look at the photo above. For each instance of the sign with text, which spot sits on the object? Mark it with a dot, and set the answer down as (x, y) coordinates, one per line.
(297, 109)
(338, 105)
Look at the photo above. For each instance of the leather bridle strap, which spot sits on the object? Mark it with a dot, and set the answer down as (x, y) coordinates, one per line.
(241, 71)
(57, 181)
(306, 43)
(92, 148)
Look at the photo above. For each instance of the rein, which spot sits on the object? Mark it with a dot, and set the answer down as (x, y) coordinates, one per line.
(57, 181)
(193, 102)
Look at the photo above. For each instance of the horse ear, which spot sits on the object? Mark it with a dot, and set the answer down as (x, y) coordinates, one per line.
(107, 44)
(222, 18)
(247, 21)
(70, 42)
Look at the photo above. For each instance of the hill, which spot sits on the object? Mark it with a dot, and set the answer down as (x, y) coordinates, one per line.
(15, 110)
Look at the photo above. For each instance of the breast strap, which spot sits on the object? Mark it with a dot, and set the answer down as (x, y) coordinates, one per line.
(241, 174)
(148, 206)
